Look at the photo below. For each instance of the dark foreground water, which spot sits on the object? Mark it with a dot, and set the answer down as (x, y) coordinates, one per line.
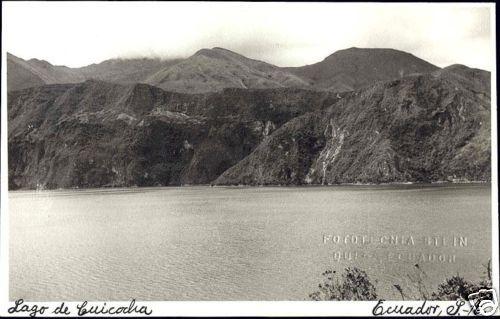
(269, 243)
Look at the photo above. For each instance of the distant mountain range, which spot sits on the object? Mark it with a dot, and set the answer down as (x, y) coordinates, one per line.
(217, 117)
(23, 74)
(210, 70)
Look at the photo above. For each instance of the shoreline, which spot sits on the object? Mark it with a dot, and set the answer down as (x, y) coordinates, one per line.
(242, 186)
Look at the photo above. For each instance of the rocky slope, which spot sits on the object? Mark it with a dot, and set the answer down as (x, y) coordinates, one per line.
(354, 68)
(421, 128)
(97, 133)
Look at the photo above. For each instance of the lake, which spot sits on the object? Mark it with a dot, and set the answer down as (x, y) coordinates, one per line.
(239, 243)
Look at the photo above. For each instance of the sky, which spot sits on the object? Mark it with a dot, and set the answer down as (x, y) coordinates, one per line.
(284, 34)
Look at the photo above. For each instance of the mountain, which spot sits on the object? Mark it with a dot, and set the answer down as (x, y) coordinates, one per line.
(125, 71)
(421, 128)
(23, 74)
(96, 133)
(208, 70)
(418, 128)
(211, 70)
(354, 68)
(474, 79)
(214, 69)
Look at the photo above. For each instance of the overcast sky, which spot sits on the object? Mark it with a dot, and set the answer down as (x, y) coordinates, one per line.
(284, 34)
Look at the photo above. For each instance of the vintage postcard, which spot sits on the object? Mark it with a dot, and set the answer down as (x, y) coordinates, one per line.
(248, 159)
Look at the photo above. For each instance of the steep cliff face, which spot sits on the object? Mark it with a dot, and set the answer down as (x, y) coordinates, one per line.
(417, 129)
(96, 133)
(284, 157)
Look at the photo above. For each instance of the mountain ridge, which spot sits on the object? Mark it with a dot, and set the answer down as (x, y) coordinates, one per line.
(218, 117)
(213, 69)
(419, 128)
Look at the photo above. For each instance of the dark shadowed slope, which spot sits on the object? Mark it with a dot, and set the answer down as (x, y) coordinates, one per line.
(354, 68)
(96, 133)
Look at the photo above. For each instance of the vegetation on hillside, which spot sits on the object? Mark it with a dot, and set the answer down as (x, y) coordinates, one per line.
(355, 284)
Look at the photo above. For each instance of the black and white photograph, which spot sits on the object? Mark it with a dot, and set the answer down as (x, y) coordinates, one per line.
(278, 153)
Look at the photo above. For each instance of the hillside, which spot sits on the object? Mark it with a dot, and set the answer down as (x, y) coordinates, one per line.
(210, 70)
(125, 71)
(23, 74)
(421, 128)
(418, 128)
(355, 68)
(96, 133)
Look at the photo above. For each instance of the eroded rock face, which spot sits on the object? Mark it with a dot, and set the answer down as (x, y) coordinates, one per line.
(95, 133)
(284, 158)
(418, 129)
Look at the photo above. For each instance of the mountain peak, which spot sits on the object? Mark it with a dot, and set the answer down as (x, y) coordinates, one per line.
(41, 63)
(354, 68)
(461, 67)
(223, 50)
(218, 52)
(367, 52)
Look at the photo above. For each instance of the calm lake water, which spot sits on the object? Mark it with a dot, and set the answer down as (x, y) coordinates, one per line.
(268, 243)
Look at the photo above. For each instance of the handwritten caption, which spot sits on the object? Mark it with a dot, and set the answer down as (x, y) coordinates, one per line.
(426, 308)
(84, 308)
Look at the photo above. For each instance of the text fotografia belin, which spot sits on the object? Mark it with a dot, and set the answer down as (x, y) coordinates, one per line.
(84, 308)
(397, 240)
